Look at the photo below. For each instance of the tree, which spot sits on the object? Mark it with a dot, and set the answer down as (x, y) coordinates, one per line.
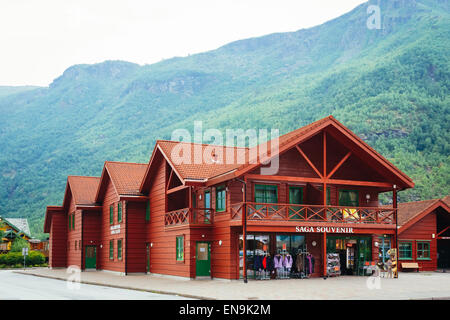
(18, 244)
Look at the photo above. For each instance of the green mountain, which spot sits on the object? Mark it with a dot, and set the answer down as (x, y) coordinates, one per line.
(389, 85)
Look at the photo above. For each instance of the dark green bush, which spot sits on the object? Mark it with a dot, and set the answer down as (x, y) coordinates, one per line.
(34, 258)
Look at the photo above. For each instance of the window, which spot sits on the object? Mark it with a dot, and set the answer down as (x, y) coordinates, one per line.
(73, 221)
(119, 249)
(119, 212)
(266, 193)
(220, 199)
(405, 250)
(69, 218)
(295, 195)
(147, 211)
(349, 198)
(111, 249)
(111, 214)
(76, 242)
(180, 248)
(423, 250)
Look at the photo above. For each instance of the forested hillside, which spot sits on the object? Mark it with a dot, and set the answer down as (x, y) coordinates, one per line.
(390, 86)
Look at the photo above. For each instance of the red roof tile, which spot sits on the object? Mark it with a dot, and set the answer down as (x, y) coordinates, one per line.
(126, 177)
(83, 189)
(409, 210)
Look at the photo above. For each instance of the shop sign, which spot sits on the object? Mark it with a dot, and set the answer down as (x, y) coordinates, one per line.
(324, 229)
(115, 229)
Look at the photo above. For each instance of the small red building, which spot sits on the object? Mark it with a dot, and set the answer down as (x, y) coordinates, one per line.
(424, 234)
(189, 218)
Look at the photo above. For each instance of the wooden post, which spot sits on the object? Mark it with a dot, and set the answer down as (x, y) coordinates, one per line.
(395, 206)
(325, 174)
(324, 252)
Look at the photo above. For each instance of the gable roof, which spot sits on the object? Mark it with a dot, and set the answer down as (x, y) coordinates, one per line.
(82, 189)
(215, 171)
(20, 225)
(411, 212)
(126, 178)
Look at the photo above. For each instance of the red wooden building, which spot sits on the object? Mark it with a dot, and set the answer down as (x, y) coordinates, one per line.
(424, 234)
(189, 218)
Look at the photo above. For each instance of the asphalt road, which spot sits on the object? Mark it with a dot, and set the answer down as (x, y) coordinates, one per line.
(15, 286)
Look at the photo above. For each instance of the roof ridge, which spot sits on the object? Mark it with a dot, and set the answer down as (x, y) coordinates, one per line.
(123, 162)
(71, 176)
(203, 144)
(410, 202)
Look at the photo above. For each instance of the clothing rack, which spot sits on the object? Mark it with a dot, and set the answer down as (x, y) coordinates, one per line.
(283, 271)
(262, 274)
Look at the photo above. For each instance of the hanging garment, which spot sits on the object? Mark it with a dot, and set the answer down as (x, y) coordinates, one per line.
(257, 264)
(278, 261)
(287, 261)
(270, 264)
(264, 263)
(299, 262)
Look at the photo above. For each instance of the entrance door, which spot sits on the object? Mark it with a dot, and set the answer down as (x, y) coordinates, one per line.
(203, 264)
(147, 257)
(91, 257)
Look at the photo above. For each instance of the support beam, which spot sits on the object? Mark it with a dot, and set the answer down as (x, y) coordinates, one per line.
(324, 253)
(339, 164)
(176, 189)
(395, 206)
(170, 179)
(324, 154)
(442, 231)
(319, 181)
(309, 161)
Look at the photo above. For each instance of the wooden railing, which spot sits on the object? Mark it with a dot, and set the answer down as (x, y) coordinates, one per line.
(313, 213)
(189, 216)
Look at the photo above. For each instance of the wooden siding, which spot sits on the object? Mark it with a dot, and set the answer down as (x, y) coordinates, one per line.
(136, 230)
(58, 241)
(422, 230)
(74, 251)
(111, 197)
(91, 232)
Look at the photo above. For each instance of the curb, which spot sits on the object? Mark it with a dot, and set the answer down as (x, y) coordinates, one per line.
(120, 287)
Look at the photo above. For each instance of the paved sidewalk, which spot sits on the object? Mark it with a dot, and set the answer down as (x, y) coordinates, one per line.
(422, 285)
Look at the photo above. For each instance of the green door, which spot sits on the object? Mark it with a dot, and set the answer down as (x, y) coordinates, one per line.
(364, 251)
(91, 257)
(203, 258)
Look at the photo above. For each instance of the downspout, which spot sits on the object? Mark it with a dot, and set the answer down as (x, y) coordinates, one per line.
(126, 236)
(82, 241)
(395, 206)
(244, 230)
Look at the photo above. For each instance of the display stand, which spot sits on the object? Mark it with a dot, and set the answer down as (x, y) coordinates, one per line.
(333, 265)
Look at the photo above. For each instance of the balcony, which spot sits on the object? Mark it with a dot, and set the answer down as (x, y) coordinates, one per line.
(189, 216)
(279, 212)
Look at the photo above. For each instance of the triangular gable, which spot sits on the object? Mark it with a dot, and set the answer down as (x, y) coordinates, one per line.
(126, 178)
(292, 139)
(82, 189)
(419, 212)
(17, 229)
(210, 174)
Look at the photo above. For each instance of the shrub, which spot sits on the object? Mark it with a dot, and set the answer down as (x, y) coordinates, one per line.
(35, 258)
(3, 258)
(13, 258)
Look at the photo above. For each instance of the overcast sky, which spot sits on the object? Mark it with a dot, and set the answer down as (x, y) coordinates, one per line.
(40, 39)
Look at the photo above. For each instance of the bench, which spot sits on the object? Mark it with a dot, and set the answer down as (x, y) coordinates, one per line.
(410, 265)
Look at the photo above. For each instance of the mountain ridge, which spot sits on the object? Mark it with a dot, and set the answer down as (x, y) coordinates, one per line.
(389, 86)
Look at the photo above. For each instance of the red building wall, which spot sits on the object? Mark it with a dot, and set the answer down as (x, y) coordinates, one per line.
(422, 230)
(111, 197)
(58, 241)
